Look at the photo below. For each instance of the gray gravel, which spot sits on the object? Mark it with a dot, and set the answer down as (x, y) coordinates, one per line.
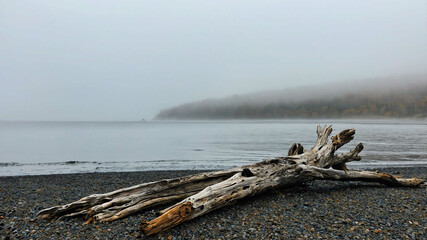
(320, 210)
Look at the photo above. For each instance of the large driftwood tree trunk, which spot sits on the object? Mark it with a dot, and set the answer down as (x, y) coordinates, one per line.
(199, 194)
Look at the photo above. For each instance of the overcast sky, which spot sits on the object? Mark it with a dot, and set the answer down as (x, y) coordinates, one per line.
(126, 60)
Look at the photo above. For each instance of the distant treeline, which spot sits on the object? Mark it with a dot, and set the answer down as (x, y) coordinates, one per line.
(397, 103)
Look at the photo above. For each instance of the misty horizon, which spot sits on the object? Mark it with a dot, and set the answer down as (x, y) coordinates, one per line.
(295, 95)
(125, 61)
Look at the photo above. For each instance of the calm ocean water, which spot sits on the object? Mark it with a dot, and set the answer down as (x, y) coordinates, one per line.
(29, 148)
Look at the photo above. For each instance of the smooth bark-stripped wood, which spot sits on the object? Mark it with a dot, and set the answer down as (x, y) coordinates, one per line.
(122, 202)
(199, 194)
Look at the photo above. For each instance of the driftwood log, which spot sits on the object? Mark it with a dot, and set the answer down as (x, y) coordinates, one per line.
(201, 193)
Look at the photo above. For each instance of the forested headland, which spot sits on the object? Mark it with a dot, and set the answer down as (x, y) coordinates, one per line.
(396, 98)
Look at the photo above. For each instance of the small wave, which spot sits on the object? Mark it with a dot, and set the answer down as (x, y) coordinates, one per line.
(8, 164)
(69, 163)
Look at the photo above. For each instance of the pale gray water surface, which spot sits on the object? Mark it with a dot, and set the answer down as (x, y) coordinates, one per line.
(30, 148)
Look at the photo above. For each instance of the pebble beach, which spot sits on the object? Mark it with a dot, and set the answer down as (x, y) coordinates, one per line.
(319, 210)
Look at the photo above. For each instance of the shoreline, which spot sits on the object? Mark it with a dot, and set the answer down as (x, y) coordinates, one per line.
(323, 209)
(367, 165)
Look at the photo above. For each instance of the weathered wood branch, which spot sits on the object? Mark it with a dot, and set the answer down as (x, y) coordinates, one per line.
(120, 203)
(364, 176)
(199, 194)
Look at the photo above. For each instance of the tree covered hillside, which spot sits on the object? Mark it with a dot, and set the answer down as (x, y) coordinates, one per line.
(396, 102)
